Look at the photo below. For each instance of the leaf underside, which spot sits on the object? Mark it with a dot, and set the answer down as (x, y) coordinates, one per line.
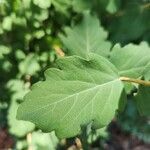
(76, 94)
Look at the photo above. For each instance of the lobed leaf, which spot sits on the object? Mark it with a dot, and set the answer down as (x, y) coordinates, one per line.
(146, 72)
(131, 59)
(78, 93)
(86, 37)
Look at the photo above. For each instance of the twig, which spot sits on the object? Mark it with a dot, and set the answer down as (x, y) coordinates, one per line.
(138, 81)
(59, 51)
(78, 144)
(146, 6)
(29, 141)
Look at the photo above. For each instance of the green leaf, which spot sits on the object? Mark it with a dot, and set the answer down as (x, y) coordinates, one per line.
(7, 23)
(146, 72)
(39, 34)
(44, 141)
(86, 37)
(26, 3)
(17, 127)
(42, 4)
(95, 135)
(20, 54)
(43, 15)
(29, 65)
(112, 6)
(143, 100)
(81, 5)
(4, 50)
(130, 23)
(122, 101)
(131, 59)
(62, 6)
(78, 93)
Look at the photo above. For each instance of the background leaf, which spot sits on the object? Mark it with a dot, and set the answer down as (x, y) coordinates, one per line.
(44, 141)
(143, 100)
(130, 60)
(42, 4)
(86, 37)
(17, 127)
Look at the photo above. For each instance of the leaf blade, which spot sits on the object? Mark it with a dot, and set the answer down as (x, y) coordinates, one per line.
(67, 104)
(143, 101)
(131, 59)
(86, 37)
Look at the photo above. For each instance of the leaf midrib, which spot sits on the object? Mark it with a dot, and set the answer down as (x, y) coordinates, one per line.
(55, 103)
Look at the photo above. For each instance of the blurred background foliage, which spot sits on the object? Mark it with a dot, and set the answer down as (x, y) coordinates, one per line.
(29, 34)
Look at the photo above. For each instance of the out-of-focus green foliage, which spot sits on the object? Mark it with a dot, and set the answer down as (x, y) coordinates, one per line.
(29, 30)
(131, 121)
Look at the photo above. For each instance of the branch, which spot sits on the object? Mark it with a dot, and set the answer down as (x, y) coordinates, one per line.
(146, 6)
(78, 144)
(138, 81)
(59, 51)
(29, 141)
